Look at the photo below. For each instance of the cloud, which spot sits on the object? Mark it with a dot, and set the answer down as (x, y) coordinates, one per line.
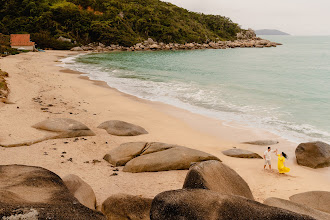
(298, 17)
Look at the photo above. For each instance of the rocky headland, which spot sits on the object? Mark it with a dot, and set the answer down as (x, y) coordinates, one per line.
(246, 39)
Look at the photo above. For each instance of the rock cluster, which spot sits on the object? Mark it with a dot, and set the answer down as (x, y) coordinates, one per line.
(151, 45)
(153, 156)
(199, 204)
(37, 193)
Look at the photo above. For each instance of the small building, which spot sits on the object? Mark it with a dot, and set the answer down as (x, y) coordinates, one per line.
(21, 42)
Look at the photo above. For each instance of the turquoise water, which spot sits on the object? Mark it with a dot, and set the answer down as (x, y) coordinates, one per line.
(285, 90)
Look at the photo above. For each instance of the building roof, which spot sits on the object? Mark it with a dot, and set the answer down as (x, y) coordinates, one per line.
(20, 40)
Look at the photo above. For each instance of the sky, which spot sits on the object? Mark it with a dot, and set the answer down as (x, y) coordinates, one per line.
(296, 17)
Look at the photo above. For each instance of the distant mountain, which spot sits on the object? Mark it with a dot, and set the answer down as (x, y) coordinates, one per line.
(270, 32)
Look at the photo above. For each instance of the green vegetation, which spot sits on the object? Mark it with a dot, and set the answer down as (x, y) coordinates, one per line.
(124, 22)
(5, 48)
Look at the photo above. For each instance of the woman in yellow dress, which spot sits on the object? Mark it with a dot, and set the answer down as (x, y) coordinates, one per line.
(280, 164)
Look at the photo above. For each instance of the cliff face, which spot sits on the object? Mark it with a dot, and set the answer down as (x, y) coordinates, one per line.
(123, 22)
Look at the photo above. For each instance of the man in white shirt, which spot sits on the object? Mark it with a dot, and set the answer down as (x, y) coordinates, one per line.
(267, 157)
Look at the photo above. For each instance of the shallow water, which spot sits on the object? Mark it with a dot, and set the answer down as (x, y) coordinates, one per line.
(285, 90)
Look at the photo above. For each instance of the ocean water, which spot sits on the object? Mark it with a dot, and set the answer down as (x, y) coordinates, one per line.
(285, 90)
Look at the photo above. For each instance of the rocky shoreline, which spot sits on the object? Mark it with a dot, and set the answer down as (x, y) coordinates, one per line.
(151, 45)
(247, 39)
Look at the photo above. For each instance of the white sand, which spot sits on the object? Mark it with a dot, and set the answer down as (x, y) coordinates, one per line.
(35, 75)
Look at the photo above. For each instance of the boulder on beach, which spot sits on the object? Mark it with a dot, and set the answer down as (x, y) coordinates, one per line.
(295, 207)
(262, 142)
(240, 153)
(121, 128)
(67, 128)
(81, 190)
(37, 193)
(319, 200)
(216, 176)
(77, 49)
(124, 153)
(313, 154)
(200, 204)
(123, 206)
(163, 157)
(155, 156)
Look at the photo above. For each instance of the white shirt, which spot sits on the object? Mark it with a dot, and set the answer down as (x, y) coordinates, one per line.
(268, 154)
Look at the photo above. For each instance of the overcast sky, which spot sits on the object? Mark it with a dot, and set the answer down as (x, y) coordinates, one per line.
(296, 17)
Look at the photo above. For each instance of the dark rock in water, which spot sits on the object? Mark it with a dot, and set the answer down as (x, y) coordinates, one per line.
(81, 190)
(262, 142)
(38, 193)
(163, 157)
(154, 156)
(67, 128)
(201, 204)
(295, 207)
(216, 176)
(121, 128)
(240, 153)
(313, 154)
(122, 206)
(319, 200)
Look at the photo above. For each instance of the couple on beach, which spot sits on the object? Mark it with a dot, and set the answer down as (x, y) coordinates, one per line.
(281, 159)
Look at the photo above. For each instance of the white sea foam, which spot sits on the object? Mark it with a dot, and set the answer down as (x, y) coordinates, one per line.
(194, 97)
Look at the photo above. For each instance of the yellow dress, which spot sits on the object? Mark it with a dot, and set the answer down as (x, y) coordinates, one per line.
(280, 165)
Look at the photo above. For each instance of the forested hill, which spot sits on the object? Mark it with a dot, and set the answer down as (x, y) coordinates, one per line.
(123, 22)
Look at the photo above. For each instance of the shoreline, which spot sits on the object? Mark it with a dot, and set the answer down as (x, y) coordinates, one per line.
(93, 103)
(247, 124)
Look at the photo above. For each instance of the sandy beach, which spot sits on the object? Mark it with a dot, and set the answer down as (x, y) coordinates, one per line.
(67, 94)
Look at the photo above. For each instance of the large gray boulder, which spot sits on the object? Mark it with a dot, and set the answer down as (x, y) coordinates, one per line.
(163, 157)
(81, 190)
(121, 128)
(240, 153)
(65, 127)
(123, 206)
(319, 200)
(313, 154)
(154, 156)
(295, 207)
(262, 142)
(200, 204)
(216, 176)
(38, 193)
(119, 156)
